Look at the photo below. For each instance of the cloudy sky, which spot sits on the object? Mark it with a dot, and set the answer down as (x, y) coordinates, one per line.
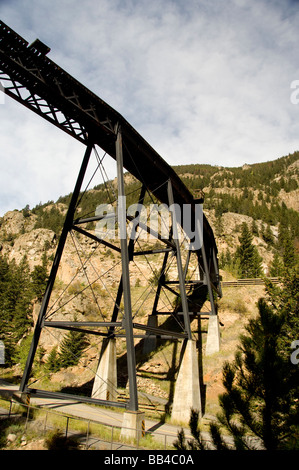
(203, 81)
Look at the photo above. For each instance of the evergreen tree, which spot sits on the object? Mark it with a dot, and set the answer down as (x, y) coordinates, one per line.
(261, 391)
(15, 305)
(19, 298)
(229, 263)
(288, 251)
(39, 278)
(198, 442)
(71, 348)
(250, 261)
(4, 278)
(268, 235)
(254, 228)
(219, 228)
(262, 386)
(282, 236)
(6, 334)
(276, 266)
(53, 363)
(285, 299)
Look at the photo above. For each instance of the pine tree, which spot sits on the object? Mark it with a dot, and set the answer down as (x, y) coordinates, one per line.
(198, 442)
(15, 305)
(53, 364)
(19, 298)
(288, 252)
(250, 261)
(39, 278)
(71, 348)
(229, 262)
(259, 407)
(4, 274)
(285, 299)
(5, 325)
(262, 386)
(282, 235)
(268, 235)
(276, 266)
(254, 228)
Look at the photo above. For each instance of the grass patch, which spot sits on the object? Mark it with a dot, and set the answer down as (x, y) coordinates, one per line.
(232, 301)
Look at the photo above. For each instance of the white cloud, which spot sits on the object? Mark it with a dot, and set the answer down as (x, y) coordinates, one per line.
(203, 82)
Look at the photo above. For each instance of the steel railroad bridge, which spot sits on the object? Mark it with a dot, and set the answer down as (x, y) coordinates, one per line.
(28, 76)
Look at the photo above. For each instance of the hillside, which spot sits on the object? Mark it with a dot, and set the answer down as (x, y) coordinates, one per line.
(265, 196)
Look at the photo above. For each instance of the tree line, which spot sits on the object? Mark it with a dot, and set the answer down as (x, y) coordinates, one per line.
(258, 176)
(19, 288)
(245, 261)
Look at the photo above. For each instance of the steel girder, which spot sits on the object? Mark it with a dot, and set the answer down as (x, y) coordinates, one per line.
(31, 78)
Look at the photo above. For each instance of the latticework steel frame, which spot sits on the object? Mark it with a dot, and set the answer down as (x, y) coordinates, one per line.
(31, 78)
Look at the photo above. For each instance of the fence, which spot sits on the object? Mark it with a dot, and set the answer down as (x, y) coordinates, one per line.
(249, 282)
(97, 435)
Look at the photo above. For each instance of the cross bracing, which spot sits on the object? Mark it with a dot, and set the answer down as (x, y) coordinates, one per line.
(176, 279)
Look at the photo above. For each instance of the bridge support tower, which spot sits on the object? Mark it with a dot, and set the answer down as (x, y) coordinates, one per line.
(32, 79)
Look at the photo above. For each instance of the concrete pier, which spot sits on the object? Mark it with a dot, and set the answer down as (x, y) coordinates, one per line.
(133, 425)
(213, 337)
(105, 382)
(187, 388)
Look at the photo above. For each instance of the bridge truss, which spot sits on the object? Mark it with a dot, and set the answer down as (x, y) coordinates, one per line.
(187, 275)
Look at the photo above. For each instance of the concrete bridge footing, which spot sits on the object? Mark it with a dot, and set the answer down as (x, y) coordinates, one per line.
(187, 394)
(105, 382)
(213, 338)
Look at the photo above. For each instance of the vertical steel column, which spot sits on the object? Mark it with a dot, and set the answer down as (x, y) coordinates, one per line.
(206, 268)
(136, 218)
(127, 321)
(130, 251)
(116, 305)
(216, 267)
(187, 263)
(162, 275)
(68, 223)
(159, 287)
(179, 263)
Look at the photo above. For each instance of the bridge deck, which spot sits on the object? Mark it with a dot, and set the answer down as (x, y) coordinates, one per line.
(30, 77)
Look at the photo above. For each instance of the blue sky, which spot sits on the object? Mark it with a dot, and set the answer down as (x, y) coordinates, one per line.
(201, 81)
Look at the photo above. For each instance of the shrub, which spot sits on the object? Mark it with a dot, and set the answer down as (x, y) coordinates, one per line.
(57, 441)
